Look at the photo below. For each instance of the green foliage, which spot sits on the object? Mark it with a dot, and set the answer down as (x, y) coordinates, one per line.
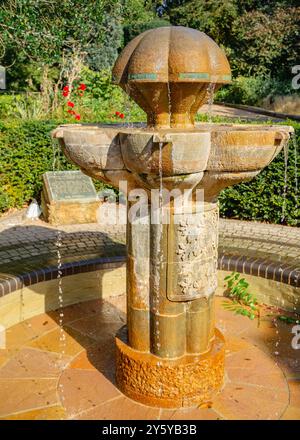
(243, 302)
(102, 99)
(265, 42)
(262, 198)
(34, 34)
(134, 29)
(103, 54)
(252, 90)
(140, 11)
(6, 105)
(259, 37)
(288, 319)
(26, 153)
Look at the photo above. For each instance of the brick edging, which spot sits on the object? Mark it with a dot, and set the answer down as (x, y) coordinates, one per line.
(12, 283)
(283, 273)
(260, 267)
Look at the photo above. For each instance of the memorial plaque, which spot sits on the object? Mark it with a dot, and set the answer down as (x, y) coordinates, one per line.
(69, 186)
(69, 197)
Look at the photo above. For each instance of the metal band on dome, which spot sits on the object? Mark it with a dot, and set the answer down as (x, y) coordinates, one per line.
(203, 75)
(151, 76)
(194, 75)
(226, 77)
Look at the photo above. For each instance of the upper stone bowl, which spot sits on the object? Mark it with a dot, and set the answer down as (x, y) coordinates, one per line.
(221, 154)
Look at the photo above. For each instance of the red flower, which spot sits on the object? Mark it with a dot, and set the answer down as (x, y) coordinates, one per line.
(82, 87)
(70, 104)
(71, 112)
(65, 93)
(66, 89)
(77, 117)
(122, 116)
(117, 113)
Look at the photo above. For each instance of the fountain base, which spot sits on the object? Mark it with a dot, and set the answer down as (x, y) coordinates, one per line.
(190, 380)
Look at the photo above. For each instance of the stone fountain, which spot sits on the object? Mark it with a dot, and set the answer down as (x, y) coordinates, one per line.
(170, 354)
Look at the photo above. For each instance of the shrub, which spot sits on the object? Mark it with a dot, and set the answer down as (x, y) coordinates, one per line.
(252, 90)
(27, 151)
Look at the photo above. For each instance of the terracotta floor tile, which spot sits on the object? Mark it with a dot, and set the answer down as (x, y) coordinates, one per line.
(189, 414)
(292, 413)
(100, 357)
(253, 366)
(80, 390)
(26, 394)
(121, 409)
(5, 355)
(95, 328)
(19, 334)
(41, 323)
(229, 323)
(248, 402)
(104, 309)
(73, 312)
(34, 363)
(51, 413)
(294, 387)
(74, 342)
(107, 310)
(119, 302)
(82, 362)
(234, 344)
(273, 337)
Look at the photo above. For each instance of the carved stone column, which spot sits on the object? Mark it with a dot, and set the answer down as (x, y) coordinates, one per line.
(170, 354)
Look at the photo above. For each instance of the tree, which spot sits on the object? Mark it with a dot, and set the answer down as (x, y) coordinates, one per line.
(43, 31)
(139, 16)
(266, 43)
(259, 36)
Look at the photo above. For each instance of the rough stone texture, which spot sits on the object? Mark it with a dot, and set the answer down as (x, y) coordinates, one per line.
(68, 213)
(182, 382)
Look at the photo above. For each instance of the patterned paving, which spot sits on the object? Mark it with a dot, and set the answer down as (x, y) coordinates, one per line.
(49, 373)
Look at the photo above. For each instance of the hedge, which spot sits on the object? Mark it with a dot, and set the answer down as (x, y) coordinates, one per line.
(27, 151)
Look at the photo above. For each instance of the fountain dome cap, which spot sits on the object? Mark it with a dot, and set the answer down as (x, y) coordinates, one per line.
(167, 71)
(172, 54)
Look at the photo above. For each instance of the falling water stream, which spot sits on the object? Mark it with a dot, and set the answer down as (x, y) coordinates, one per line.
(128, 106)
(210, 99)
(294, 141)
(295, 146)
(285, 185)
(159, 238)
(58, 245)
(160, 254)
